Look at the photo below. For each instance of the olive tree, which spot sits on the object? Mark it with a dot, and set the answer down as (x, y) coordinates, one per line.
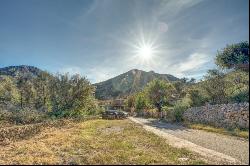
(235, 56)
(160, 92)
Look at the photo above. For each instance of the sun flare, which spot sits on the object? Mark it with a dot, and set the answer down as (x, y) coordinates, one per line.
(144, 49)
(145, 52)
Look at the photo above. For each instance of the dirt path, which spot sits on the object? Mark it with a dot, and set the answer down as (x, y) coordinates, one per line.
(215, 147)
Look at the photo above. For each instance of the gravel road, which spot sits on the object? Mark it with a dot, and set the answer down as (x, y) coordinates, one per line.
(235, 147)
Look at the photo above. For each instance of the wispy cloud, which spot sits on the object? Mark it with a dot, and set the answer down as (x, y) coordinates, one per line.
(70, 70)
(173, 8)
(194, 62)
(101, 73)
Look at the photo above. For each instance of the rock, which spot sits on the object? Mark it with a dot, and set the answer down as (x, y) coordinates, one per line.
(183, 159)
(224, 115)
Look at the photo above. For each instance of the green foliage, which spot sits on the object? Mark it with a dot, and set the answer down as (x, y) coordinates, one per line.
(223, 88)
(195, 97)
(26, 90)
(215, 86)
(132, 81)
(240, 97)
(141, 101)
(179, 108)
(58, 96)
(238, 89)
(8, 90)
(72, 96)
(218, 88)
(234, 56)
(175, 113)
(23, 116)
(130, 101)
(160, 93)
(41, 85)
(179, 89)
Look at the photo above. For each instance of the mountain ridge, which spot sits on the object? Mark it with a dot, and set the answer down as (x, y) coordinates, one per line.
(127, 83)
(119, 86)
(20, 70)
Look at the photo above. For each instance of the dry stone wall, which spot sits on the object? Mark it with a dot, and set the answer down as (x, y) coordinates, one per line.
(223, 115)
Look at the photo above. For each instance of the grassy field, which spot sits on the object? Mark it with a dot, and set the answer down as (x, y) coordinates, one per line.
(231, 132)
(96, 142)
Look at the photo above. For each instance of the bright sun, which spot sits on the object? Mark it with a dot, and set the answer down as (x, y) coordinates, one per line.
(145, 49)
(145, 52)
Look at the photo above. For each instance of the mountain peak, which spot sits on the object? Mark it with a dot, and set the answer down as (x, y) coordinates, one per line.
(20, 70)
(127, 83)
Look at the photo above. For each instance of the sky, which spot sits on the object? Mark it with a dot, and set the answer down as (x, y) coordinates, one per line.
(100, 39)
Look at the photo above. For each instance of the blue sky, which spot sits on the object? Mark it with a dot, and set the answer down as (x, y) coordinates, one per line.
(99, 38)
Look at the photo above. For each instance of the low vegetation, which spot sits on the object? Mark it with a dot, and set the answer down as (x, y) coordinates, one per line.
(234, 132)
(96, 142)
(27, 98)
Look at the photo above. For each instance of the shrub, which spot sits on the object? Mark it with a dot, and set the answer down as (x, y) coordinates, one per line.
(240, 97)
(195, 98)
(22, 116)
(140, 102)
(179, 108)
(169, 113)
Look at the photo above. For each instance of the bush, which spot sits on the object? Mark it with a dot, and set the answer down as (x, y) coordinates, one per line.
(169, 113)
(140, 102)
(179, 108)
(240, 97)
(22, 116)
(194, 97)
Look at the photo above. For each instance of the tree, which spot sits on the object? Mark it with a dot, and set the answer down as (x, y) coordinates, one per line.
(130, 101)
(160, 93)
(238, 87)
(196, 97)
(184, 79)
(179, 89)
(26, 90)
(8, 90)
(140, 101)
(215, 86)
(192, 81)
(41, 84)
(235, 56)
(72, 96)
(82, 95)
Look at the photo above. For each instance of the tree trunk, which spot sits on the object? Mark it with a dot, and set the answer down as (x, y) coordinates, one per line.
(160, 111)
(21, 100)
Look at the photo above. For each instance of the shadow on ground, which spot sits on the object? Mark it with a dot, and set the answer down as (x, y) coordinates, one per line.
(160, 124)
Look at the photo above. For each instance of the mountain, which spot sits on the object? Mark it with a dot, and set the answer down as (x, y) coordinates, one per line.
(22, 70)
(121, 85)
(128, 83)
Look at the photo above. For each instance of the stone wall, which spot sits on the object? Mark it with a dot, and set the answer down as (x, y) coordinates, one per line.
(224, 115)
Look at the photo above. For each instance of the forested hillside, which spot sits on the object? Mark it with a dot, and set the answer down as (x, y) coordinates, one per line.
(22, 70)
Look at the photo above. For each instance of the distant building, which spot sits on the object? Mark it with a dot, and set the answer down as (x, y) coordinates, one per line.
(118, 104)
(112, 104)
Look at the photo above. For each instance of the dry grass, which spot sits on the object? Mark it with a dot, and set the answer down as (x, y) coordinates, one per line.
(96, 142)
(232, 132)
